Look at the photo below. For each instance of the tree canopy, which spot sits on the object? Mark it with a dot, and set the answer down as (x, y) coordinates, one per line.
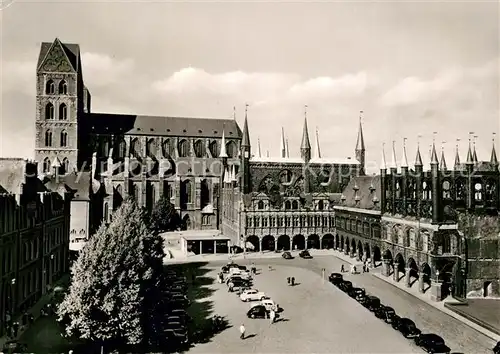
(116, 283)
(164, 217)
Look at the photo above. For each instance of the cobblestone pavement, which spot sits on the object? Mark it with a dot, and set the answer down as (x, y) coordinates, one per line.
(318, 319)
(458, 336)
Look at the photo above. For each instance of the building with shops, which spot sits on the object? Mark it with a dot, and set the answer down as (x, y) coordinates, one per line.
(286, 202)
(34, 237)
(108, 157)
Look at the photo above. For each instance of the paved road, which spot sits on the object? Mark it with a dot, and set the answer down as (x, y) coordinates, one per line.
(319, 318)
(458, 336)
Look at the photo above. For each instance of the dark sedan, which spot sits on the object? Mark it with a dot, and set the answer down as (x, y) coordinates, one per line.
(496, 349)
(305, 254)
(357, 293)
(372, 303)
(258, 311)
(385, 313)
(432, 343)
(408, 328)
(336, 278)
(345, 286)
(287, 255)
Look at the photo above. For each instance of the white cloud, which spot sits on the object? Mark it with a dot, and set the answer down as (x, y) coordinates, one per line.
(18, 76)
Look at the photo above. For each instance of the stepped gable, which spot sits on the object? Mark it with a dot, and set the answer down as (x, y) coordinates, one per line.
(360, 187)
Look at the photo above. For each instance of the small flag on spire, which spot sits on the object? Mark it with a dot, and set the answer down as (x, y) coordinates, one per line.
(234, 112)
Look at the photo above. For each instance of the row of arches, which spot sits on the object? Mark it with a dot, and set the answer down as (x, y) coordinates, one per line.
(50, 112)
(63, 169)
(62, 87)
(287, 243)
(63, 138)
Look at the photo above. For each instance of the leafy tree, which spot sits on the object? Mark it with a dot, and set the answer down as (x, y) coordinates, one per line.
(116, 292)
(164, 217)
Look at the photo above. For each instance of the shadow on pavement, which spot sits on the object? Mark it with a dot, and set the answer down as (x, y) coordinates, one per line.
(250, 336)
(202, 329)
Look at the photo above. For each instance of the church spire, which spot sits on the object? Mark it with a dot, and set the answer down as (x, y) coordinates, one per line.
(404, 160)
(494, 159)
(287, 149)
(318, 150)
(442, 163)
(434, 157)
(258, 147)
(283, 143)
(394, 164)
(470, 159)
(246, 135)
(383, 163)
(305, 146)
(418, 158)
(474, 152)
(456, 165)
(360, 143)
(223, 153)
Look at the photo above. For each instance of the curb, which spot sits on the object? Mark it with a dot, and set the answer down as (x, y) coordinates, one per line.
(456, 309)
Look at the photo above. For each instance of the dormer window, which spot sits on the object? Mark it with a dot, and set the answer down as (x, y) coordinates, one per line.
(357, 198)
(343, 198)
(375, 200)
(356, 188)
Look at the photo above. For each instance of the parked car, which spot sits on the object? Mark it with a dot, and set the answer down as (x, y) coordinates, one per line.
(496, 349)
(336, 278)
(372, 303)
(385, 313)
(432, 343)
(227, 267)
(395, 322)
(271, 305)
(357, 293)
(287, 255)
(305, 254)
(245, 274)
(258, 311)
(345, 286)
(408, 328)
(238, 281)
(252, 295)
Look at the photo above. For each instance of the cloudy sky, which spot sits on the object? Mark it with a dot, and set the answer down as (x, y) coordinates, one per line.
(414, 68)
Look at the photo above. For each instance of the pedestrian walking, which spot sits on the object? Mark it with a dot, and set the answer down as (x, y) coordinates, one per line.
(272, 316)
(342, 269)
(242, 331)
(288, 280)
(293, 281)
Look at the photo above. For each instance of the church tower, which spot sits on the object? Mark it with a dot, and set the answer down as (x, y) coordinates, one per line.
(59, 105)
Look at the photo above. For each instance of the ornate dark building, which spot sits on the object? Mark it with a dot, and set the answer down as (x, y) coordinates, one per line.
(287, 202)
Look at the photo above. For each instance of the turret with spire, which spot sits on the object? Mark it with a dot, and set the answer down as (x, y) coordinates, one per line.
(283, 143)
(469, 165)
(245, 157)
(418, 159)
(318, 150)
(456, 164)
(474, 152)
(442, 162)
(419, 169)
(305, 146)
(404, 177)
(360, 151)
(493, 158)
(258, 147)
(383, 180)
(394, 165)
(436, 184)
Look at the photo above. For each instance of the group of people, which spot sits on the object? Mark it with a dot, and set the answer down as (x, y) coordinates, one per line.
(354, 270)
(290, 281)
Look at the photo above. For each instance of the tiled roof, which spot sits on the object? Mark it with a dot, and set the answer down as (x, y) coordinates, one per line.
(360, 187)
(104, 123)
(72, 51)
(78, 183)
(12, 174)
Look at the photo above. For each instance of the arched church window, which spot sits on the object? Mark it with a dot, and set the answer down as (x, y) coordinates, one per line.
(286, 177)
(478, 192)
(63, 88)
(183, 148)
(46, 165)
(151, 148)
(64, 139)
(49, 111)
(288, 205)
(231, 149)
(64, 166)
(50, 87)
(214, 149)
(204, 193)
(295, 205)
(63, 112)
(48, 138)
(199, 148)
(135, 147)
(121, 148)
(260, 205)
(446, 190)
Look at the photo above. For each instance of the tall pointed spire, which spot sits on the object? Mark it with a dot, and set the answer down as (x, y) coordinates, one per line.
(258, 146)
(404, 160)
(234, 112)
(456, 165)
(434, 157)
(223, 153)
(283, 143)
(442, 163)
(246, 135)
(305, 146)
(493, 159)
(383, 163)
(418, 158)
(318, 150)
(287, 149)
(470, 159)
(267, 153)
(394, 164)
(474, 152)
(360, 143)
